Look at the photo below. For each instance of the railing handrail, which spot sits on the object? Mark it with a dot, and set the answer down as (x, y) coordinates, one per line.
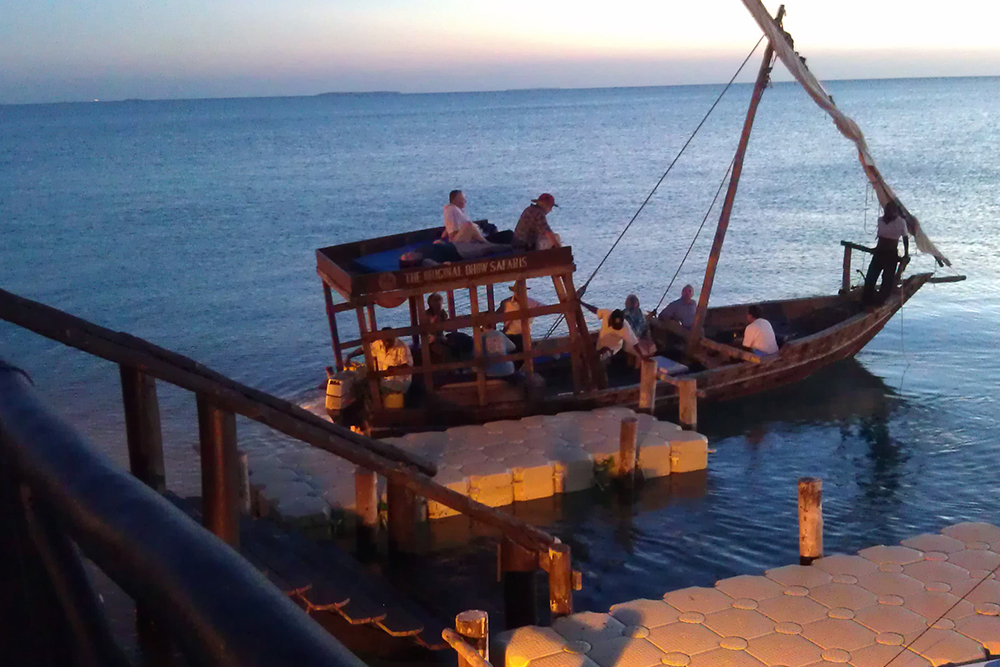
(390, 461)
(218, 607)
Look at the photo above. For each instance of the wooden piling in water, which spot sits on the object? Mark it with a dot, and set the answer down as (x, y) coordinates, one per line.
(560, 581)
(687, 404)
(366, 506)
(810, 519)
(474, 627)
(647, 386)
(402, 518)
(517, 576)
(219, 471)
(628, 451)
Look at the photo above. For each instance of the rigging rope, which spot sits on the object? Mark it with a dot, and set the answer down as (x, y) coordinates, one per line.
(700, 227)
(655, 187)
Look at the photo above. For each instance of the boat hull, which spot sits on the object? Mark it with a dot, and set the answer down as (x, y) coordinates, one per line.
(797, 360)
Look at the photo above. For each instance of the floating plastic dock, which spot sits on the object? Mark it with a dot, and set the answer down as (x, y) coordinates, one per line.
(497, 463)
(932, 600)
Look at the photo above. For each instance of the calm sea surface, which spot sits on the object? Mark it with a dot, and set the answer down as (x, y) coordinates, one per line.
(193, 224)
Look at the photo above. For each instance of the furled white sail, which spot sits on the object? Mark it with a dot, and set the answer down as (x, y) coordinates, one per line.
(796, 65)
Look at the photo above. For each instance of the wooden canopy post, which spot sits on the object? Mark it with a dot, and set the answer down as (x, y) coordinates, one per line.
(425, 349)
(576, 352)
(374, 385)
(414, 320)
(698, 328)
(331, 316)
(490, 298)
(451, 304)
(479, 354)
(597, 377)
(522, 297)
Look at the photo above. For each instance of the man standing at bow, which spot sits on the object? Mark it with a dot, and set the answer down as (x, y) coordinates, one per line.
(885, 259)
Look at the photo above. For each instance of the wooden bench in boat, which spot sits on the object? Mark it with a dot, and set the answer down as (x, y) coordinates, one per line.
(497, 391)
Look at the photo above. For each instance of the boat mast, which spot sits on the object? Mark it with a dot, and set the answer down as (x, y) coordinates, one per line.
(697, 329)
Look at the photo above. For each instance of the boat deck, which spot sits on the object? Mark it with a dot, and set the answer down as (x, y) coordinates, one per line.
(931, 600)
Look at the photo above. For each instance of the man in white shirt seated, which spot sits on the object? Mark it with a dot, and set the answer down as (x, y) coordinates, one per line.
(389, 353)
(759, 335)
(513, 327)
(457, 226)
(616, 336)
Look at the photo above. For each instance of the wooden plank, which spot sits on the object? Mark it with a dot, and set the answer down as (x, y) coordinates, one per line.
(490, 298)
(220, 473)
(331, 317)
(854, 246)
(478, 352)
(731, 351)
(548, 350)
(142, 427)
(461, 323)
(374, 388)
(576, 353)
(414, 321)
(451, 304)
(763, 75)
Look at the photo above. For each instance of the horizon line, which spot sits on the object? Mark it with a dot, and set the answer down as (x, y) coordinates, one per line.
(347, 93)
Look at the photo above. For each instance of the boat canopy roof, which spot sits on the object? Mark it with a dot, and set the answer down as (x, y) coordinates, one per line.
(369, 270)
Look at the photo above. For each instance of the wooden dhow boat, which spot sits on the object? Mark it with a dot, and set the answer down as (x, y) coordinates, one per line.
(564, 373)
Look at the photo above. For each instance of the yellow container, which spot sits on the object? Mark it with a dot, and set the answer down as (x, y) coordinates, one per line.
(393, 401)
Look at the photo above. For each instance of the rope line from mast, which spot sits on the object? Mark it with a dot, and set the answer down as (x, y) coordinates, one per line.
(700, 227)
(659, 182)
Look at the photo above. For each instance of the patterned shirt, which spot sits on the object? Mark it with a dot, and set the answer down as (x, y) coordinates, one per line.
(531, 227)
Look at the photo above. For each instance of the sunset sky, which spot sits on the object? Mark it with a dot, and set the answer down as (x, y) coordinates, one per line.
(114, 49)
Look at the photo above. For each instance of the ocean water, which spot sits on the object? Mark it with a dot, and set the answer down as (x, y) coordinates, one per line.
(193, 224)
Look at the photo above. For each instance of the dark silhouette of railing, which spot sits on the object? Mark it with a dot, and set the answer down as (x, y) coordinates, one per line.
(59, 497)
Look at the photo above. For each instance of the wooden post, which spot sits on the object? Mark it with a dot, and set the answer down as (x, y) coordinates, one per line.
(331, 316)
(697, 329)
(687, 404)
(145, 457)
(560, 581)
(414, 320)
(647, 386)
(374, 386)
(402, 518)
(142, 427)
(628, 451)
(244, 486)
(425, 350)
(845, 285)
(810, 519)
(596, 376)
(366, 498)
(219, 471)
(474, 626)
(451, 304)
(490, 299)
(517, 574)
(522, 297)
(576, 353)
(479, 354)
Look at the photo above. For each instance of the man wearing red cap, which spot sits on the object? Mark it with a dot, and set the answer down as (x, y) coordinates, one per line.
(533, 231)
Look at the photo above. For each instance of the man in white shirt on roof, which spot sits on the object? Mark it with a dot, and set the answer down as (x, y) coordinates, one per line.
(759, 335)
(457, 226)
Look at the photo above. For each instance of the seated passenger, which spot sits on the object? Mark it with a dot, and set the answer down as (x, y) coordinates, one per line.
(759, 336)
(616, 338)
(634, 316)
(682, 310)
(495, 345)
(533, 231)
(457, 226)
(388, 353)
(445, 344)
(513, 327)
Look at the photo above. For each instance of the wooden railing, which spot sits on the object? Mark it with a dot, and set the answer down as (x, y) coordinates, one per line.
(524, 548)
(845, 285)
